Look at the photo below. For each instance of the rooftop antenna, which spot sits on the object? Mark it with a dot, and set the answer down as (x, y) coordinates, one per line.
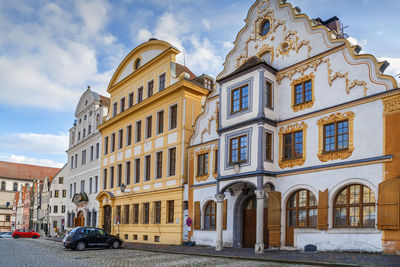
(184, 60)
(342, 33)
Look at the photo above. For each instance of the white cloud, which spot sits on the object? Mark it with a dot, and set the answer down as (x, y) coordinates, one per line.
(227, 46)
(363, 43)
(206, 24)
(32, 161)
(38, 143)
(94, 14)
(144, 35)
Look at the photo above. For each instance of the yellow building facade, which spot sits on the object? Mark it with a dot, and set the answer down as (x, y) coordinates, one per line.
(153, 104)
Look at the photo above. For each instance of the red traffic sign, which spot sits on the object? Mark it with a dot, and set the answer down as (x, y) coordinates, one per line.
(189, 222)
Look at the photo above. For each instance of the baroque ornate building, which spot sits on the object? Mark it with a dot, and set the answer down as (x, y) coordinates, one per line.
(297, 143)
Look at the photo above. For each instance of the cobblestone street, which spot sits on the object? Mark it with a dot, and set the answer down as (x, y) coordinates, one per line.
(41, 252)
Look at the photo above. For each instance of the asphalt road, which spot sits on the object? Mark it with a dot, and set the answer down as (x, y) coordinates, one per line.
(41, 252)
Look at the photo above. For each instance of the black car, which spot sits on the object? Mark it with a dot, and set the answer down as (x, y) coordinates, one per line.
(82, 237)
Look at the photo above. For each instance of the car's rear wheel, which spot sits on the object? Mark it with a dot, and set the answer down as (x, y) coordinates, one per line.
(80, 246)
(16, 236)
(115, 244)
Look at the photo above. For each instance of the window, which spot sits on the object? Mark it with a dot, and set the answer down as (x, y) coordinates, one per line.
(303, 92)
(170, 206)
(160, 122)
(94, 218)
(118, 214)
(74, 188)
(137, 63)
(88, 223)
(115, 109)
(210, 215)
(90, 185)
(202, 164)
(120, 138)
(208, 84)
(111, 177)
(172, 161)
(354, 206)
(138, 131)
(173, 117)
(161, 80)
(137, 170)
(238, 149)
(106, 145)
(293, 145)
(70, 191)
(15, 187)
(129, 135)
(63, 209)
(126, 214)
(269, 95)
(119, 175)
(56, 193)
(60, 180)
(84, 133)
(159, 164)
(145, 213)
(147, 162)
(8, 218)
(104, 178)
(91, 153)
(145, 237)
(89, 129)
(79, 136)
(76, 160)
(240, 99)
(55, 209)
(97, 150)
(64, 193)
(112, 142)
(140, 95)
(135, 213)
(265, 27)
(336, 136)
(150, 86)
(149, 121)
(96, 183)
(127, 173)
(122, 105)
(268, 146)
(72, 162)
(54, 224)
(302, 209)
(215, 161)
(157, 212)
(84, 157)
(83, 186)
(130, 96)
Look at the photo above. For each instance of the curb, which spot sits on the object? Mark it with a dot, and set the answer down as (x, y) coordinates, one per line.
(54, 240)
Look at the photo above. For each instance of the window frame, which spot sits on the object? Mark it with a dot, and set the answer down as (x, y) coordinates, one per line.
(297, 208)
(173, 116)
(149, 127)
(160, 122)
(336, 135)
(241, 96)
(293, 145)
(140, 94)
(203, 169)
(171, 211)
(150, 89)
(210, 215)
(238, 137)
(137, 170)
(147, 168)
(269, 94)
(269, 144)
(158, 165)
(172, 161)
(162, 81)
(138, 131)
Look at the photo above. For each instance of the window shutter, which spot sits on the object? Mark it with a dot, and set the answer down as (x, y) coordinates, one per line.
(197, 215)
(389, 204)
(225, 213)
(323, 210)
(274, 218)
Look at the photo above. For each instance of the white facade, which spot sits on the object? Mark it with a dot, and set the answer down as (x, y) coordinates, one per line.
(84, 157)
(57, 203)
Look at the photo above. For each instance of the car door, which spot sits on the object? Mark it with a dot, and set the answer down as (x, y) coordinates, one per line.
(22, 233)
(90, 236)
(102, 237)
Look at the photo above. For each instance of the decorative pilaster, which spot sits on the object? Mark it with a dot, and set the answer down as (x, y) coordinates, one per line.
(259, 247)
(219, 226)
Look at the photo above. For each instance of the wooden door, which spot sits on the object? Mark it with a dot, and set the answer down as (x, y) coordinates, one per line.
(249, 223)
(265, 229)
(107, 219)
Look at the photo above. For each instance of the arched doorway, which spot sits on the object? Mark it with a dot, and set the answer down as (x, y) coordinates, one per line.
(249, 216)
(79, 220)
(107, 218)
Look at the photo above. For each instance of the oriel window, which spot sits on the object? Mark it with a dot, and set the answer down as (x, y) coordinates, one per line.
(240, 99)
(238, 147)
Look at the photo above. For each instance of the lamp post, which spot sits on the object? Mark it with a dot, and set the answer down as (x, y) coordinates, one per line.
(122, 187)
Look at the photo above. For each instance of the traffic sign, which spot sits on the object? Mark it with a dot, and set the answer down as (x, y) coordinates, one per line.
(189, 222)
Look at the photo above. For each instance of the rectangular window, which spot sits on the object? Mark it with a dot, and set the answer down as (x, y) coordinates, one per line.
(84, 133)
(97, 150)
(76, 160)
(84, 157)
(173, 116)
(268, 146)
(126, 214)
(157, 212)
(131, 99)
(238, 149)
(70, 191)
(140, 95)
(64, 193)
(293, 145)
(72, 162)
(106, 145)
(216, 161)
(145, 213)
(112, 142)
(118, 214)
(240, 99)
(129, 135)
(160, 122)
(91, 153)
(170, 206)
(105, 179)
(83, 186)
(161, 80)
(172, 161)
(159, 164)
(88, 218)
(150, 86)
(269, 95)
(54, 224)
(149, 122)
(137, 170)
(55, 193)
(138, 131)
(63, 209)
(202, 164)
(120, 138)
(60, 180)
(115, 109)
(128, 173)
(336, 136)
(122, 105)
(90, 185)
(135, 213)
(119, 175)
(303, 92)
(112, 177)
(147, 160)
(55, 209)
(96, 183)
(89, 129)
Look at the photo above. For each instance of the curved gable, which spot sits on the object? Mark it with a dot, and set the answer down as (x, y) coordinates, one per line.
(86, 99)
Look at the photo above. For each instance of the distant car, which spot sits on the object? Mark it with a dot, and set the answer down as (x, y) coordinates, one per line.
(82, 237)
(24, 233)
(6, 235)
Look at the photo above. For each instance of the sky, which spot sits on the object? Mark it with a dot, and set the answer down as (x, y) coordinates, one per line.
(50, 51)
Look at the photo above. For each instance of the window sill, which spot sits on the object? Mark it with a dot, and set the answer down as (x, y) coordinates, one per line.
(338, 154)
(291, 163)
(200, 178)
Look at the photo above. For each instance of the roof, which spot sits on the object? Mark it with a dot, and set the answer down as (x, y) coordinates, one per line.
(25, 171)
(105, 101)
(180, 68)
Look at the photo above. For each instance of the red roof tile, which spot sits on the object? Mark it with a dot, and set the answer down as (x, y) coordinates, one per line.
(26, 171)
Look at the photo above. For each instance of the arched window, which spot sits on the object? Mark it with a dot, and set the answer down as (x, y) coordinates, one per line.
(3, 185)
(210, 214)
(15, 186)
(302, 209)
(354, 206)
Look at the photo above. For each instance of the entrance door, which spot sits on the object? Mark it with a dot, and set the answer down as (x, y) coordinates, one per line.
(107, 219)
(79, 220)
(250, 224)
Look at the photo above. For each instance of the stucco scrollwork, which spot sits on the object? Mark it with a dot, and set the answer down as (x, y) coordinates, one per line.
(290, 129)
(215, 117)
(391, 104)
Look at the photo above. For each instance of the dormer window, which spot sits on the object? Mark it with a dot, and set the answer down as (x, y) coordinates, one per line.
(137, 63)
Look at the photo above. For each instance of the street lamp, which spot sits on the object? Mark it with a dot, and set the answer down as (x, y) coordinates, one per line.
(123, 187)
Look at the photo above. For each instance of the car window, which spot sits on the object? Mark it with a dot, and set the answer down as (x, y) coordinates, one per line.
(101, 232)
(90, 231)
